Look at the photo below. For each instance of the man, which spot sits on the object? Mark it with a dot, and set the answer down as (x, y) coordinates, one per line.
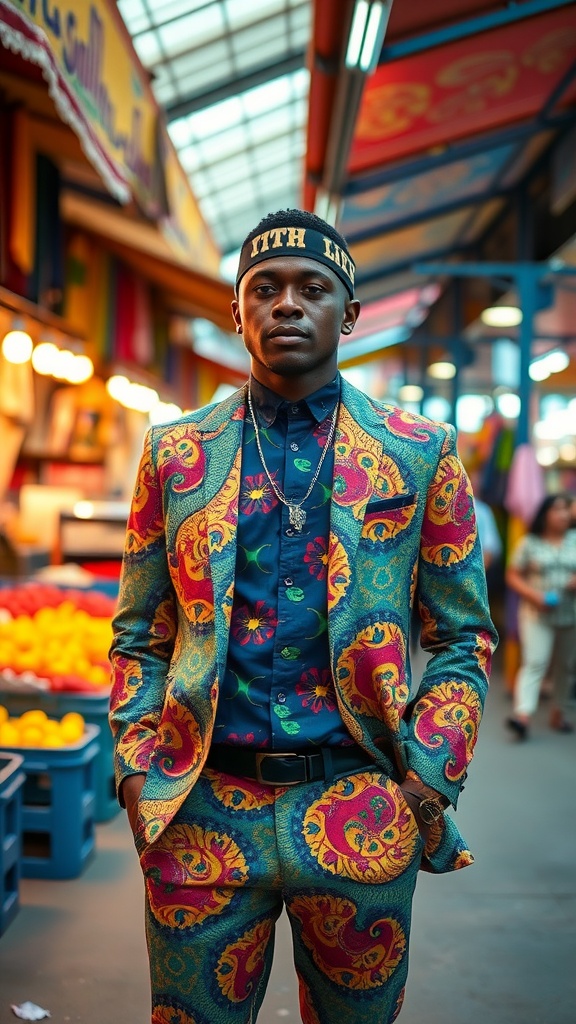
(268, 749)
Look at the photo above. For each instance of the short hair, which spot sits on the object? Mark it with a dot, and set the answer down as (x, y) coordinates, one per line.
(538, 524)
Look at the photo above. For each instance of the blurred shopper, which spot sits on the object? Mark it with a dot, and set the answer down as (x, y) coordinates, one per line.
(488, 532)
(267, 748)
(542, 571)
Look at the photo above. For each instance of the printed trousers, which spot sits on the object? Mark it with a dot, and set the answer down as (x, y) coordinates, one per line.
(341, 856)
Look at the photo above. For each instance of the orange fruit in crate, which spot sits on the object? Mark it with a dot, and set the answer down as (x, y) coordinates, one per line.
(31, 736)
(9, 735)
(53, 739)
(34, 717)
(72, 727)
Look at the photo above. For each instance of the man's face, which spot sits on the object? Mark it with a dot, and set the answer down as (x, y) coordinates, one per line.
(292, 311)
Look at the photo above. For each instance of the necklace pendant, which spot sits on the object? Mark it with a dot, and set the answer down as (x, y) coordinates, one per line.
(297, 517)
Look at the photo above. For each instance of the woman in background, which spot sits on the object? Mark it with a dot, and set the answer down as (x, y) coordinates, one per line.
(542, 571)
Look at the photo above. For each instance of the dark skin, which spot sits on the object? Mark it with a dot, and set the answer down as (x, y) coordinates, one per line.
(291, 312)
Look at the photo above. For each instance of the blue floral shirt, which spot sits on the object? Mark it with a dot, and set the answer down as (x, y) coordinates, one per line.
(278, 692)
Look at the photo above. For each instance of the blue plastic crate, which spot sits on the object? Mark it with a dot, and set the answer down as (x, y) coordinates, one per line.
(11, 782)
(58, 807)
(94, 709)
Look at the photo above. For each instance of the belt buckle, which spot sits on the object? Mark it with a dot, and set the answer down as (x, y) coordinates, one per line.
(266, 782)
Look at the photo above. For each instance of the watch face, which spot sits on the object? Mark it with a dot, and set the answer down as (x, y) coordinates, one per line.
(430, 810)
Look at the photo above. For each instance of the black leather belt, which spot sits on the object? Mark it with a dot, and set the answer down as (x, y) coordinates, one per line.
(274, 769)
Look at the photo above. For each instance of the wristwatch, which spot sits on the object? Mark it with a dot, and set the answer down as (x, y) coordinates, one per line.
(430, 809)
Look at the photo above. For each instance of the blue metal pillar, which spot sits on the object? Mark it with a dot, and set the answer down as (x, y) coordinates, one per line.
(527, 285)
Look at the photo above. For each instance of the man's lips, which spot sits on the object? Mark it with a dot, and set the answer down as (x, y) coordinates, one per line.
(287, 331)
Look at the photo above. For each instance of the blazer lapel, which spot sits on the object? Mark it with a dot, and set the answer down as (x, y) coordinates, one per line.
(357, 459)
(221, 435)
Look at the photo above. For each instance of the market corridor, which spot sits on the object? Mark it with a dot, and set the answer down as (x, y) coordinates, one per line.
(493, 944)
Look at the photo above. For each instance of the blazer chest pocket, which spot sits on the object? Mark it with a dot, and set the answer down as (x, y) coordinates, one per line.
(385, 518)
(387, 504)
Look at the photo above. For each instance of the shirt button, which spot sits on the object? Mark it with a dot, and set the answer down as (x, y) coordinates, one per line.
(289, 533)
(288, 582)
(295, 447)
(281, 698)
(295, 408)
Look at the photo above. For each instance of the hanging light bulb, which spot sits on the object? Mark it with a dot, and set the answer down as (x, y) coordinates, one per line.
(45, 357)
(80, 370)
(17, 346)
(64, 363)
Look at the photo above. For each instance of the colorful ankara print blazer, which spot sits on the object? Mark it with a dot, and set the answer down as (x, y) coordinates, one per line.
(402, 528)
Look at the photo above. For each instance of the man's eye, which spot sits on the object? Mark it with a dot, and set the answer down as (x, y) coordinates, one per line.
(263, 289)
(314, 289)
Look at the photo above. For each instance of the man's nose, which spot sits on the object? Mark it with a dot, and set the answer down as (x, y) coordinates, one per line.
(288, 302)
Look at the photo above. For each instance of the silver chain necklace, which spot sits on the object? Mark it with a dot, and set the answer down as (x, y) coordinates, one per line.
(296, 513)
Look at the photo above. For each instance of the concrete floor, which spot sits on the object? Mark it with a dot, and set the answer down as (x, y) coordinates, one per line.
(493, 944)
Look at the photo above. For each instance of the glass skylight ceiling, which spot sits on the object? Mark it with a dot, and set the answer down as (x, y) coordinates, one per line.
(231, 77)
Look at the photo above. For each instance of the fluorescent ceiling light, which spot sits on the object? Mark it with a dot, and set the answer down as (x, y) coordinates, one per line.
(367, 31)
(359, 21)
(501, 316)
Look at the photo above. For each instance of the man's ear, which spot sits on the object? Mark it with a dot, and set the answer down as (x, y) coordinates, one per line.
(351, 314)
(236, 315)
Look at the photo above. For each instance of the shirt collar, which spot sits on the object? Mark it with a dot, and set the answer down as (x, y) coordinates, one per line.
(319, 404)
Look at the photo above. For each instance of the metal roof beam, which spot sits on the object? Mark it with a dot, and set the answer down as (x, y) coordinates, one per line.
(492, 269)
(233, 87)
(464, 29)
(381, 272)
(427, 214)
(459, 151)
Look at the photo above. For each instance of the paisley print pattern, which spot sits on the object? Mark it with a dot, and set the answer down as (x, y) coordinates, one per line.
(181, 459)
(339, 571)
(126, 679)
(168, 1013)
(190, 570)
(372, 673)
(222, 511)
(388, 523)
(137, 743)
(406, 425)
(239, 794)
(483, 652)
(356, 958)
(359, 829)
(240, 965)
(163, 628)
(389, 481)
(203, 868)
(179, 566)
(449, 532)
(178, 743)
(447, 718)
(145, 521)
(307, 1011)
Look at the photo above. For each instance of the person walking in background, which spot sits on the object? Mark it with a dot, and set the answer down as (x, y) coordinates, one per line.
(268, 748)
(542, 571)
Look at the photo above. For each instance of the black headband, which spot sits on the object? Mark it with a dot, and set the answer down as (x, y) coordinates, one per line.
(297, 241)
